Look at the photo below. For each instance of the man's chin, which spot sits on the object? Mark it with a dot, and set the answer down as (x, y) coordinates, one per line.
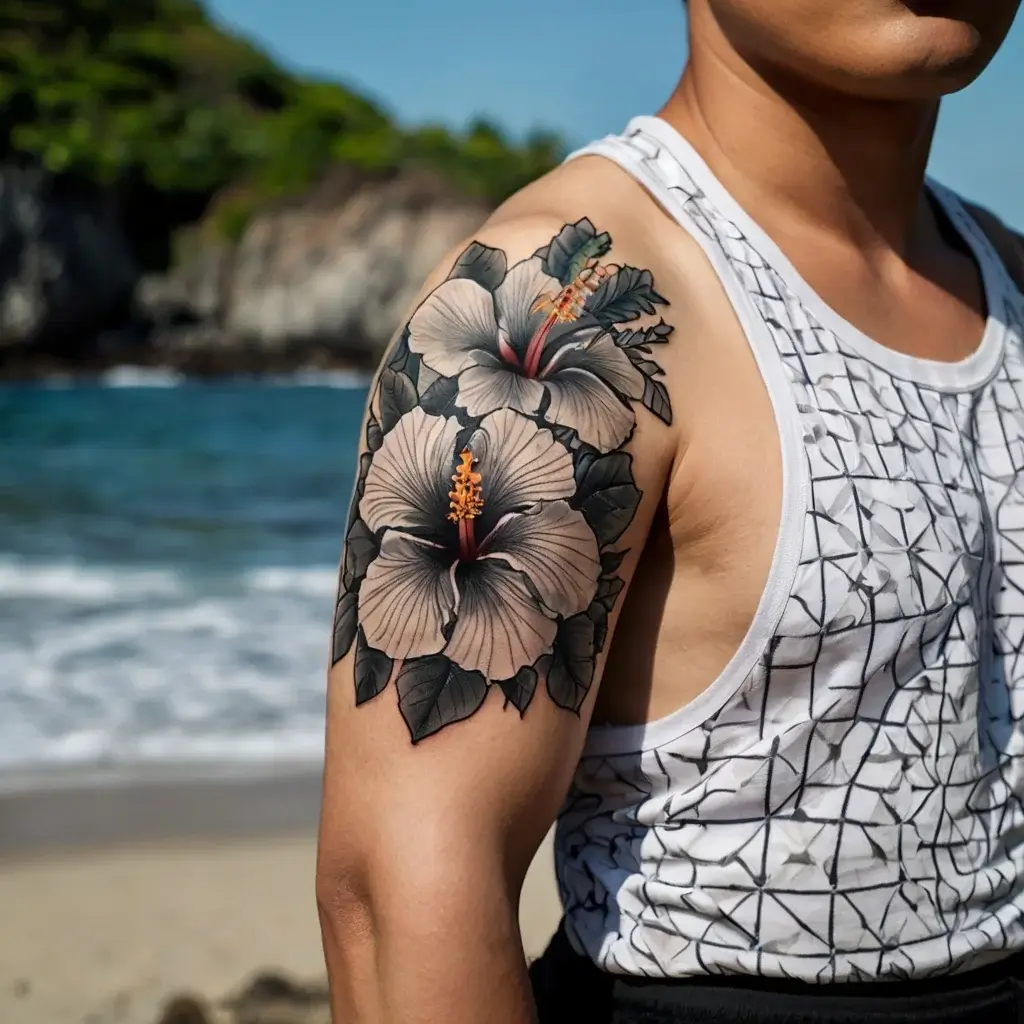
(924, 73)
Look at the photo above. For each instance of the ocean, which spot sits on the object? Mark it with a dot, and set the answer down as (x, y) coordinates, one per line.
(168, 561)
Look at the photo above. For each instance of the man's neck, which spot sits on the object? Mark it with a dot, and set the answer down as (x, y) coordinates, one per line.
(806, 157)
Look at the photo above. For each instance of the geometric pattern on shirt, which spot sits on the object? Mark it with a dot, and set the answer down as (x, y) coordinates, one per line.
(855, 809)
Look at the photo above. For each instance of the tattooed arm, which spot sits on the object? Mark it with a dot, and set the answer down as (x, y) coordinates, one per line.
(512, 431)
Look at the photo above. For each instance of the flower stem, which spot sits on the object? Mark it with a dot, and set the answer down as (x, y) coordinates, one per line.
(507, 352)
(467, 540)
(531, 362)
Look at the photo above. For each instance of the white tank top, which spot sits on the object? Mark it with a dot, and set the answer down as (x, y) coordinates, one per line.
(846, 800)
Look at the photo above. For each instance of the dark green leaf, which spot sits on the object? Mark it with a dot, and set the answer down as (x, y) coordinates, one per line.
(568, 252)
(374, 435)
(563, 435)
(656, 399)
(610, 511)
(373, 669)
(656, 335)
(400, 357)
(648, 367)
(572, 662)
(360, 551)
(519, 690)
(365, 461)
(482, 264)
(357, 491)
(599, 616)
(611, 560)
(439, 398)
(397, 396)
(608, 590)
(626, 295)
(655, 395)
(434, 692)
(344, 627)
(606, 494)
(594, 472)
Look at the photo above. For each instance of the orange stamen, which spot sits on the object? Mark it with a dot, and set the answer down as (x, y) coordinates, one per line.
(467, 502)
(467, 499)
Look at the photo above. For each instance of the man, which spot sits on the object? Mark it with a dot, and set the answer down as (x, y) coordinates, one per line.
(707, 443)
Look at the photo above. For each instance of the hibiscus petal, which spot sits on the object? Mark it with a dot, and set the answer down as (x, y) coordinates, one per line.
(409, 478)
(501, 626)
(525, 283)
(594, 350)
(454, 321)
(553, 545)
(584, 402)
(407, 597)
(520, 463)
(492, 384)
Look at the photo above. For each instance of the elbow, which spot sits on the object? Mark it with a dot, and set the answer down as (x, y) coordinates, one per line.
(343, 902)
(349, 939)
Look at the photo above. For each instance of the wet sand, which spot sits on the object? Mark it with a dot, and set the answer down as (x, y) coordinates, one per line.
(114, 895)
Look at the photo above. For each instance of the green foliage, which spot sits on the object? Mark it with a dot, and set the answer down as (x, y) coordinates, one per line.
(482, 162)
(151, 91)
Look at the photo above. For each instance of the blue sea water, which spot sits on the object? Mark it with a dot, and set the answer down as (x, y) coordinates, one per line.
(168, 556)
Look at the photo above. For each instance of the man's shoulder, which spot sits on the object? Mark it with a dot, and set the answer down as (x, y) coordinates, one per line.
(1008, 244)
(597, 190)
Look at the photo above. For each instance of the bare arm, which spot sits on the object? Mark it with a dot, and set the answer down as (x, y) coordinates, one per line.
(517, 440)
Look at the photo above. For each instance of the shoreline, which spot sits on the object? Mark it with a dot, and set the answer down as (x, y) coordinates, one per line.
(137, 374)
(53, 811)
(227, 364)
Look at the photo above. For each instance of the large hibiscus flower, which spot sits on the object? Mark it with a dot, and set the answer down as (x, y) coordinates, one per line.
(480, 551)
(508, 351)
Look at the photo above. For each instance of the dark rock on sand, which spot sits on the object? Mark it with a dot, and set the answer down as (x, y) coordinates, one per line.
(185, 1010)
(267, 998)
(274, 999)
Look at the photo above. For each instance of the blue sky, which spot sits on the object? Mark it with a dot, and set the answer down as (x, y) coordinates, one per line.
(582, 68)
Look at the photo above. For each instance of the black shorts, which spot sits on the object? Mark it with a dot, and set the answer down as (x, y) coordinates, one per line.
(569, 989)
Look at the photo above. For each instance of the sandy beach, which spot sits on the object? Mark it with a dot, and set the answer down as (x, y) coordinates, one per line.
(114, 896)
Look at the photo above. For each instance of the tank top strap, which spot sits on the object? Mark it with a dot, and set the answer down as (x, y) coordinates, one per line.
(766, 320)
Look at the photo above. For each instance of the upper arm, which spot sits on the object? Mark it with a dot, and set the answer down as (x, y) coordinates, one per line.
(516, 442)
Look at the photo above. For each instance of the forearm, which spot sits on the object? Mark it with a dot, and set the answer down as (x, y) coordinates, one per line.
(420, 955)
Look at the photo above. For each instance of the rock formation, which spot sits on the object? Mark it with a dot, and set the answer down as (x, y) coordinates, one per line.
(321, 280)
(66, 269)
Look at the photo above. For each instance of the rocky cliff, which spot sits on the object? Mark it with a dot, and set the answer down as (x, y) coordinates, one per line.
(66, 269)
(320, 280)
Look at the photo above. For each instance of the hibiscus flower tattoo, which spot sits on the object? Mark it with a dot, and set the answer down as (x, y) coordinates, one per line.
(481, 548)
(478, 562)
(521, 347)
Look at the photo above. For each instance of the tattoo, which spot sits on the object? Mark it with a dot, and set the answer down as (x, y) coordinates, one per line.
(480, 549)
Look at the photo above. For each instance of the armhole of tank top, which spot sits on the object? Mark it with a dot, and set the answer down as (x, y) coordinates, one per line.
(609, 740)
(998, 279)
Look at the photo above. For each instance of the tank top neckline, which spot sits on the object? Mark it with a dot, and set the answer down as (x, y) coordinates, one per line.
(962, 375)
